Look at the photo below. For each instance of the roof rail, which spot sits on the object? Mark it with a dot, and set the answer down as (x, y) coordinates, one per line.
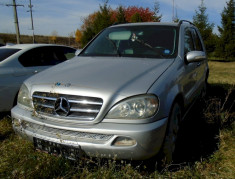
(182, 21)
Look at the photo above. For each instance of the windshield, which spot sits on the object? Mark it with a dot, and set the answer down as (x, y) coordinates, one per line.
(135, 41)
(6, 52)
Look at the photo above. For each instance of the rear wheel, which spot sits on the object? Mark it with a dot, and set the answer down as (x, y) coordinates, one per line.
(168, 147)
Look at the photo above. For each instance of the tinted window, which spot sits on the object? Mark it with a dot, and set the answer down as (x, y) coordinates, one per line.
(135, 41)
(46, 56)
(188, 41)
(68, 52)
(6, 52)
(198, 44)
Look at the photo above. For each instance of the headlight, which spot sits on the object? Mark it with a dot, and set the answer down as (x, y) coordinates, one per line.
(140, 107)
(23, 96)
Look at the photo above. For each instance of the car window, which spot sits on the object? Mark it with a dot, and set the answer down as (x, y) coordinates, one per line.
(149, 41)
(6, 52)
(198, 44)
(45, 56)
(188, 41)
(68, 52)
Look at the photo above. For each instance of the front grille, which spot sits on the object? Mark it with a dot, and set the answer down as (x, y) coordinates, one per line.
(81, 107)
(66, 134)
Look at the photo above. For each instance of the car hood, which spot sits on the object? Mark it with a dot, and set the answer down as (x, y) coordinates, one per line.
(101, 75)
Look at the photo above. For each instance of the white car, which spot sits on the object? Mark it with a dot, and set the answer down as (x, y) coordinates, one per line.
(18, 62)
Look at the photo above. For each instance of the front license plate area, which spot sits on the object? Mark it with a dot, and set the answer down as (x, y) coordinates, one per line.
(69, 152)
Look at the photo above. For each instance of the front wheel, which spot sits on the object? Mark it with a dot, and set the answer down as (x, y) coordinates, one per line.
(168, 147)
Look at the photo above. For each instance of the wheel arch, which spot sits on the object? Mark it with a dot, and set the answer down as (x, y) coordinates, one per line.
(175, 96)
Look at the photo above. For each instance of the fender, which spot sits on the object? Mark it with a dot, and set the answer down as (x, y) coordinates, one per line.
(174, 95)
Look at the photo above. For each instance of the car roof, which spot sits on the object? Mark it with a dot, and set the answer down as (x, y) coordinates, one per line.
(30, 46)
(147, 23)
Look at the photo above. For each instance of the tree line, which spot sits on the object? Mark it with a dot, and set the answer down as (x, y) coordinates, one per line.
(223, 44)
(220, 45)
(106, 16)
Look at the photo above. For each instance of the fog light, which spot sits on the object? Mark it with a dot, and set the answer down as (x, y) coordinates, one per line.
(16, 122)
(124, 141)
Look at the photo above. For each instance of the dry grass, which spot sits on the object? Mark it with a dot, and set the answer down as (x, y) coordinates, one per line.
(11, 38)
(222, 73)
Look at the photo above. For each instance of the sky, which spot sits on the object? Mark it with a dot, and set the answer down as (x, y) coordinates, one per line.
(65, 16)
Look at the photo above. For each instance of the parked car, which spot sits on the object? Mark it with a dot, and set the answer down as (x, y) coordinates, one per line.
(18, 62)
(123, 97)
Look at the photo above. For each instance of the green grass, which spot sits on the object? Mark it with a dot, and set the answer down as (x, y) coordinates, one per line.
(206, 148)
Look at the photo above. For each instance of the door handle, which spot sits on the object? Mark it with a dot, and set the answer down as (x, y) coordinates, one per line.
(35, 71)
(198, 64)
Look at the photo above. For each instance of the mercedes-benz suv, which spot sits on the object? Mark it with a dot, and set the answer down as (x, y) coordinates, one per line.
(122, 97)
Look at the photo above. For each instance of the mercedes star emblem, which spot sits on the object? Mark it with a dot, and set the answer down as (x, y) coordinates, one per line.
(62, 106)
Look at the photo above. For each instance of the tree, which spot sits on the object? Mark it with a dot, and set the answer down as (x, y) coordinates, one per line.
(78, 36)
(103, 18)
(106, 17)
(205, 28)
(87, 35)
(136, 18)
(226, 43)
(120, 16)
(156, 9)
(54, 35)
(136, 14)
(95, 23)
(88, 21)
(145, 13)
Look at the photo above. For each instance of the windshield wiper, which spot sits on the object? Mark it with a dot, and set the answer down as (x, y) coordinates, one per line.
(115, 46)
(135, 38)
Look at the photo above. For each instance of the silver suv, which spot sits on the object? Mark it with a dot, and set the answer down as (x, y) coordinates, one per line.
(122, 97)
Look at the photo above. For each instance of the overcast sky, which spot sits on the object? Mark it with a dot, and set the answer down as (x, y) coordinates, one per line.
(65, 16)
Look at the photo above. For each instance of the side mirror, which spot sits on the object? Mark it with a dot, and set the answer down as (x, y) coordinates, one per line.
(195, 56)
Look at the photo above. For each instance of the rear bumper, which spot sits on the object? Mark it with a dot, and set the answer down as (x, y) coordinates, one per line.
(97, 140)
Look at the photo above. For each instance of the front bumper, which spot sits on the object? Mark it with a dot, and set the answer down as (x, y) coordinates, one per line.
(96, 140)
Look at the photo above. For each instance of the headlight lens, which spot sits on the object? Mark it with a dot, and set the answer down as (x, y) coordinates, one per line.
(23, 96)
(140, 107)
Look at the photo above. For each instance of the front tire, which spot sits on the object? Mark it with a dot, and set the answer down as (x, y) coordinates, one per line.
(168, 147)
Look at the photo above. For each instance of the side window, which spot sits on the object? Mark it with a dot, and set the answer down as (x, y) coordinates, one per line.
(68, 52)
(30, 58)
(198, 44)
(5, 53)
(46, 56)
(50, 56)
(188, 41)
